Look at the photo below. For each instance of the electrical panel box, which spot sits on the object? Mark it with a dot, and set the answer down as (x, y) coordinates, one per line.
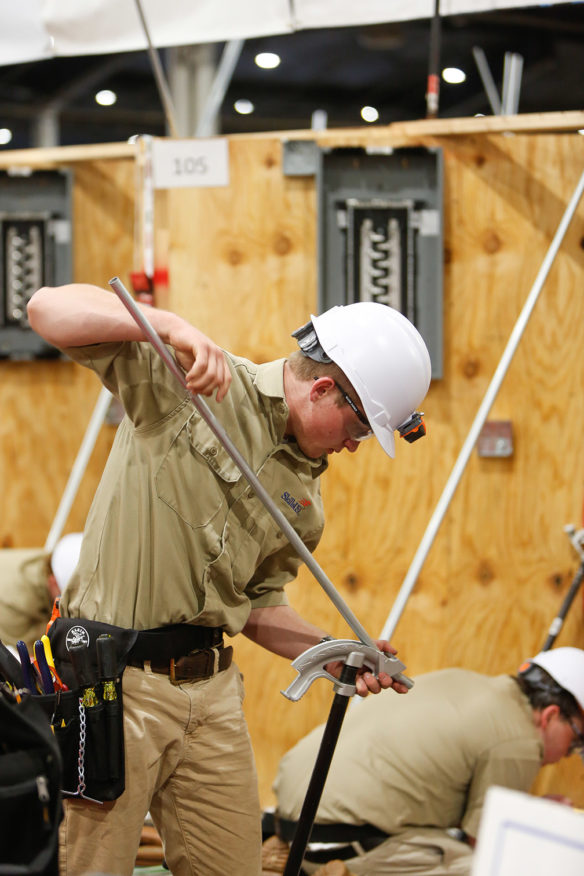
(35, 251)
(380, 234)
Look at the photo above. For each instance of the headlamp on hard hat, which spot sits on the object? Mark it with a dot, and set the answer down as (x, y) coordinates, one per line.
(413, 428)
(540, 679)
(309, 344)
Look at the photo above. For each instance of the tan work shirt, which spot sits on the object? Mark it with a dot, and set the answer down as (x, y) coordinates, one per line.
(425, 759)
(25, 603)
(175, 534)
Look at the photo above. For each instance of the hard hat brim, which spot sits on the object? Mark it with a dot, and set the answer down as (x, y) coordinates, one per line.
(386, 438)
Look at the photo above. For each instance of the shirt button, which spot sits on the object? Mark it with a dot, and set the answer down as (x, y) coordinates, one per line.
(212, 451)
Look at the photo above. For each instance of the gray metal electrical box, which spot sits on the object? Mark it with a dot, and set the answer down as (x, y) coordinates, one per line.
(380, 233)
(35, 250)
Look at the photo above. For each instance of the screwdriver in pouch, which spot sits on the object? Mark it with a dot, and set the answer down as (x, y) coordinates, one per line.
(57, 683)
(96, 760)
(107, 673)
(31, 678)
(43, 667)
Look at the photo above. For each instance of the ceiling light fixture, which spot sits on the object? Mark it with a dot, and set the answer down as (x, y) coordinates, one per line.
(106, 97)
(243, 106)
(267, 60)
(369, 114)
(453, 75)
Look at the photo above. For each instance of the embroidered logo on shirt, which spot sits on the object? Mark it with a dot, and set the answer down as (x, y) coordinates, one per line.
(296, 504)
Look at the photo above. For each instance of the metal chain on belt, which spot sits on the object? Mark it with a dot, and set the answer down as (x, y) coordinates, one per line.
(80, 792)
(81, 756)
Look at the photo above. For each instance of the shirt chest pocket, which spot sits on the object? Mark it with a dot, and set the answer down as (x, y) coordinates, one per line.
(197, 478)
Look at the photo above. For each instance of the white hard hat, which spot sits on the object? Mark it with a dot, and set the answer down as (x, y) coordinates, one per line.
(65, 557)
(566, 667)
(383, 355)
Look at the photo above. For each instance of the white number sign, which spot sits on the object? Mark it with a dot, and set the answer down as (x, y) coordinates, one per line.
(190, 163)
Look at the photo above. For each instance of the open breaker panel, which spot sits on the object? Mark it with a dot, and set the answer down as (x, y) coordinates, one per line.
(379, 230)
(35, 251)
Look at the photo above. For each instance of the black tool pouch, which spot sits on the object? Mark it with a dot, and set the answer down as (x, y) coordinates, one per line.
(88, 722)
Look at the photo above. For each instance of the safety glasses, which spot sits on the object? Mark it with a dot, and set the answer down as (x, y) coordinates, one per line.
(356, 434)
(578, 741)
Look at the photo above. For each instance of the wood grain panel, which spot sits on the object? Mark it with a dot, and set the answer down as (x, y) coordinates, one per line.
(242, 258)
(500, 563)
(47, 405)
(242, 263)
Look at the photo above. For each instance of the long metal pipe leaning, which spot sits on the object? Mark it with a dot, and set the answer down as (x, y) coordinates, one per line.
(161, 83)
(489, 398)
(245, 469)
(78, 469)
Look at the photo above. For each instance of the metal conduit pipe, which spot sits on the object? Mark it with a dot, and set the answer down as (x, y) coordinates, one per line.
(78, 469)
(490, 395)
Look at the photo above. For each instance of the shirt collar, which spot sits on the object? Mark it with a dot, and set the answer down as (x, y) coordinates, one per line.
(269, 380)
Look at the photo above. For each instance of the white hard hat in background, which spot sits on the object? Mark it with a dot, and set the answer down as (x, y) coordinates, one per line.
(383, 355)
(65, 557)
(566, 667)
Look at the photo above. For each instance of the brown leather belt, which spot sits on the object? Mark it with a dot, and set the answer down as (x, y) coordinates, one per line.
(192, 667)
(174, 640)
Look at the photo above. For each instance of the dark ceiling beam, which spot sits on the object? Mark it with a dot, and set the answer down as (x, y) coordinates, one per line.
(528, 22)
(94, 76)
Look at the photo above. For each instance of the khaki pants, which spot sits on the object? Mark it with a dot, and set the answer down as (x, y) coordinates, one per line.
(420, 851)
(189, 762)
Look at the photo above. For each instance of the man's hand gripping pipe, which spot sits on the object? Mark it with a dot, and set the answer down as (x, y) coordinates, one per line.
(383, 662)
(311, 664)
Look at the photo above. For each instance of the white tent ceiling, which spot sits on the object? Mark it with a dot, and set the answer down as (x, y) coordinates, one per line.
(36, 29)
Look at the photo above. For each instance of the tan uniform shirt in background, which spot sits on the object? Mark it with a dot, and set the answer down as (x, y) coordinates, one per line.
(25, 603)
(425, 759)
(175, 534)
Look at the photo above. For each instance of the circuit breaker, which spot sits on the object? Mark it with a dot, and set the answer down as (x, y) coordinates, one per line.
(380, 234)
(379, 230)
(35, 250)
(379, 257)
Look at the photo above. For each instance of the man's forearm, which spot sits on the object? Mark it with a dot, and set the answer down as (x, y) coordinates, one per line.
(79, 314)
(282, 630)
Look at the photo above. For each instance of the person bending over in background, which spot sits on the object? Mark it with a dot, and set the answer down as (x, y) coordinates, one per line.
(30, 581)
(406, 770)
(176, 541)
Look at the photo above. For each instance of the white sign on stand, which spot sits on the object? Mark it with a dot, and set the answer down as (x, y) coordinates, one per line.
(190, 163)
(523, 835)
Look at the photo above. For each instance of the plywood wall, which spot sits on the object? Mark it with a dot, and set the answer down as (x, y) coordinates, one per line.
(47, 405)
(242, 264)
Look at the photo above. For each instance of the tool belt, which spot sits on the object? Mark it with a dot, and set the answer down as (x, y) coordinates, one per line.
(87, 719)
(344, 841)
